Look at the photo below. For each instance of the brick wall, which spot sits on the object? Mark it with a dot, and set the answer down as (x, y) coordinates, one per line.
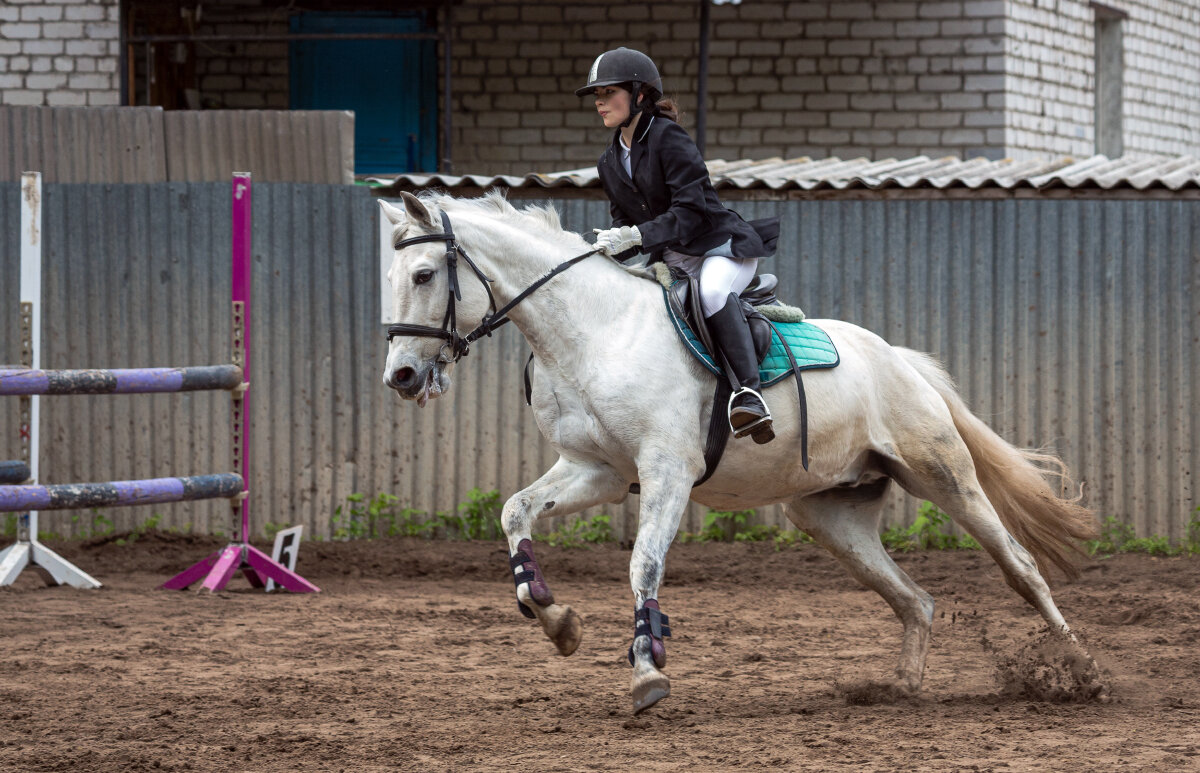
(1049, 48)
(882, 79)
(251, 75)
(63, 53)
(894, 78)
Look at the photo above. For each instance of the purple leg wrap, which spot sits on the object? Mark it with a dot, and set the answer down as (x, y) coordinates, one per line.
(649, 621)
(530, 573)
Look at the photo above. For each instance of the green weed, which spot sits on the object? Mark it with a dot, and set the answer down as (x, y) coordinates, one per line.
(1191, 539)
(582, 532)
(1119, 537)
(789, 537)
(926, 533)
(9, 530)
(1114, 535)
(734, 526)
(100, 526)
(150, 524)
(480, 515)
(720, 526)
(360, 518)
(379, 517)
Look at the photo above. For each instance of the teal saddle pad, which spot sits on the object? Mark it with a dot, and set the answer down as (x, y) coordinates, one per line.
(810, 345)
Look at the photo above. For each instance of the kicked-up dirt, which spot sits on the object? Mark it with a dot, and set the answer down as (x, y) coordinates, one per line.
(414, 657)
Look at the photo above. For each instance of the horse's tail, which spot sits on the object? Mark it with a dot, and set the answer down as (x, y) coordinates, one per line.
(1015, 481)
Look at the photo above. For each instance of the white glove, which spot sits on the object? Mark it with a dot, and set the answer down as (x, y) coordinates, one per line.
(614, 241)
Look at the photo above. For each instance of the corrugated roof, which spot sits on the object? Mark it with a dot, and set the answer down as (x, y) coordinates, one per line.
(1098, 172)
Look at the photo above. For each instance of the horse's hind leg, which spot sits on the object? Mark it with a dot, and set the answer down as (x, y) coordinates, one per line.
(567, 487)
(944, 473)
(846, 523)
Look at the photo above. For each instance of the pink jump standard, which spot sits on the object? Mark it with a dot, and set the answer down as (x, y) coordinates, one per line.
(218, 568)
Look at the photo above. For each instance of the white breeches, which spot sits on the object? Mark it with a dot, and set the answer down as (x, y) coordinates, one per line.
(720, 276)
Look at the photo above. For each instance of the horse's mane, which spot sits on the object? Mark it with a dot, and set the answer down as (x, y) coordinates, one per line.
(541, 218)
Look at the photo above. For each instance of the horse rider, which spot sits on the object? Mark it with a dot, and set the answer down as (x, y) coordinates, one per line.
(663, 203)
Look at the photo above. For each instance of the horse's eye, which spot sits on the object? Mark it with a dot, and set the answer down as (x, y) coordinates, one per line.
(421, 277)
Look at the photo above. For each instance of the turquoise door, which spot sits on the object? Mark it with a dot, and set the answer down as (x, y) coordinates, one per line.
(391, 85)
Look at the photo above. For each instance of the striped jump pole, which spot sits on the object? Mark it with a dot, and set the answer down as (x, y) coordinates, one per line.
(56, 569)
(218, 568)
(26, 381)
(120, 493)
(14, 472)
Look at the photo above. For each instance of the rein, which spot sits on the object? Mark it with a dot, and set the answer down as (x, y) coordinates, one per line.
(458, 344)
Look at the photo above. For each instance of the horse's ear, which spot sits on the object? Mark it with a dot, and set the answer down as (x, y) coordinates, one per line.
(416, 210)
(394, 214)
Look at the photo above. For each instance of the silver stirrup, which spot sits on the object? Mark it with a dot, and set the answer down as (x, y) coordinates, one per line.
(747, 429)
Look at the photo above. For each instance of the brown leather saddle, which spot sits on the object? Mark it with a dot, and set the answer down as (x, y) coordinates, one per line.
(684, 297)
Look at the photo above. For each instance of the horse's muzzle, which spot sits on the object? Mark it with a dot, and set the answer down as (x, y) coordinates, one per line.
(418, 383)
(405, 381)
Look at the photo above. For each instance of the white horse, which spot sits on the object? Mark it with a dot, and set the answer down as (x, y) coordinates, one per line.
(622, 401)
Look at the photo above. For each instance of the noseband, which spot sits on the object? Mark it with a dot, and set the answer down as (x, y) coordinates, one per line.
(460, 345)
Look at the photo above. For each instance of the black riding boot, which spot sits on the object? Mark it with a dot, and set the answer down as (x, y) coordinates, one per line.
(748, 414)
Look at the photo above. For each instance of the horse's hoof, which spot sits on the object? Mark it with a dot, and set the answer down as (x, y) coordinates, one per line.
(649, 690)
(564, 627)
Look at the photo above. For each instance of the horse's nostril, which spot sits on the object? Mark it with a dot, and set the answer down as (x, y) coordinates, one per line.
(403, 377)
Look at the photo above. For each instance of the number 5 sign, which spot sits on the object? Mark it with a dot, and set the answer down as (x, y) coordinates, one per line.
(287, 545)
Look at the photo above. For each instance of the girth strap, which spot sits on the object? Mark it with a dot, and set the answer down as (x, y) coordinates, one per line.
(718, 432)
(800, 390)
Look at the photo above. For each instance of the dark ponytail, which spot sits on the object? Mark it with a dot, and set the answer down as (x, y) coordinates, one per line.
(664, 106)
(667, 108)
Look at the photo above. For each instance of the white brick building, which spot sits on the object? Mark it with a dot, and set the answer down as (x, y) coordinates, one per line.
(59, 54)
(998, 78)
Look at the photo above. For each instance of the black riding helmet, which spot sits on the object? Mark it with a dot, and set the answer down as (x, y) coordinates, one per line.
(629, 69)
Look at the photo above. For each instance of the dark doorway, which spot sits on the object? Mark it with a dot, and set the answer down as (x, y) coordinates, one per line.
(391, 85)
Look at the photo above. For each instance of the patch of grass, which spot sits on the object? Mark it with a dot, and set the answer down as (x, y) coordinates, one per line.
(734, 526)
(719, 526)
(1191, 538)
(926, 533)
(480, 515)
(789, 537)
(150, 524)
(582, 532)
(100, 526)
(371, 519)
(1119, 537)
(362, 518)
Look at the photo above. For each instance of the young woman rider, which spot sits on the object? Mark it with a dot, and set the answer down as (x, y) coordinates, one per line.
(663, 203)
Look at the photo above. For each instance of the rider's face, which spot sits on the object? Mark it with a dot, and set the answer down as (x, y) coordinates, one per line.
(612, 103)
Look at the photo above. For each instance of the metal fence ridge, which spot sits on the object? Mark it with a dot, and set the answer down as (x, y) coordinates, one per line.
(150, 145)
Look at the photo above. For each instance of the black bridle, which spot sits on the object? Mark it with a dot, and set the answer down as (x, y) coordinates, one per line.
(460, 345)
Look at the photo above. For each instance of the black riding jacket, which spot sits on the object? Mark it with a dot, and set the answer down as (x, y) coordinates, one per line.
(671, 198)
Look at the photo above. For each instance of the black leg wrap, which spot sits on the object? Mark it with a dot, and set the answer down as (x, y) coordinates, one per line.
(514, 562)
(649, 621)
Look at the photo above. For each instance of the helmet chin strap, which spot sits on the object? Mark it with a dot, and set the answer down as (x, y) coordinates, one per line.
(634, 107)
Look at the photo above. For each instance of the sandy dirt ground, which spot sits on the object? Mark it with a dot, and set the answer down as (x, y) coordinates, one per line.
(414, 657)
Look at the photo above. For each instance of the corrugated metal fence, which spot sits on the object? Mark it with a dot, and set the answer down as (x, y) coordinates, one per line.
(1068, 323)
(150, 145)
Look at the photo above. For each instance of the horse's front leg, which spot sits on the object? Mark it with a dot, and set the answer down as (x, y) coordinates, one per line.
(567, 487)
(665, 491)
